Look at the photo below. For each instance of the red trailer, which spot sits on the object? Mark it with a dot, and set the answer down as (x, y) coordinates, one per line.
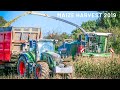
(11, 41)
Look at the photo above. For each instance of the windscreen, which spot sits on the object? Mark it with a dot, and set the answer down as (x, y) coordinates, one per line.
(44, 46)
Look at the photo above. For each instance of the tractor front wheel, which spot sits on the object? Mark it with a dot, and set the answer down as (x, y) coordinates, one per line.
(43, 69)
(38, 71)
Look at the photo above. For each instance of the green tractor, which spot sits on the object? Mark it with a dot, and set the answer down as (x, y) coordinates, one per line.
(41, 61)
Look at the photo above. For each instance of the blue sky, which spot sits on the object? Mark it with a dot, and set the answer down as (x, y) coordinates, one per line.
(47, 24)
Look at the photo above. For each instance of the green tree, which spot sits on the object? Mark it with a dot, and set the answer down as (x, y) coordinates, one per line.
(109, 19)
(2, 21)
(75, 33)
(89, 25)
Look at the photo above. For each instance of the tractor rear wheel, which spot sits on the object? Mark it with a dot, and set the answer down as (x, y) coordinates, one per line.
(44, 70)
(22, 67)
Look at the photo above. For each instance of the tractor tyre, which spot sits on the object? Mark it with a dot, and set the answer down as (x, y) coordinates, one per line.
(44, 70)
(22, 67)
(37, 71)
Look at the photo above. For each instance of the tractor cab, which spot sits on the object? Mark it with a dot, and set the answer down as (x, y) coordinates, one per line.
(44, 49)
(41, 46)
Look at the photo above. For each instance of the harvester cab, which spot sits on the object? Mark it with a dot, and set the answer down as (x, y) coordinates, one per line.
(96, 44)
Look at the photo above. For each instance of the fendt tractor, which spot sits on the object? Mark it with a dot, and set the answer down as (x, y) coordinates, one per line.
(15, 47)
(42, 61)
(24, 50)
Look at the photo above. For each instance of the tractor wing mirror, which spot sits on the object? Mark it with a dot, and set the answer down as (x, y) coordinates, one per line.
(32, 44)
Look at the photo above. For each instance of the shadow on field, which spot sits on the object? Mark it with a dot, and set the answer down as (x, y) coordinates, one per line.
(8, 73)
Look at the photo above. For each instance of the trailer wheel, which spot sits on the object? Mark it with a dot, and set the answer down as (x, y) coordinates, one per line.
(22, 67)
(44, 70)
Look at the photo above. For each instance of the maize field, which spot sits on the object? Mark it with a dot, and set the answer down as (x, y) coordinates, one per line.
(98, 68)
(88, 68)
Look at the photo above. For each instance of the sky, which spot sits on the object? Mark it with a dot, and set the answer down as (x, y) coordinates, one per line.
(47, 24)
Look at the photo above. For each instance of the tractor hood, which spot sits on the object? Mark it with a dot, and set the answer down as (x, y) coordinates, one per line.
(55, 56)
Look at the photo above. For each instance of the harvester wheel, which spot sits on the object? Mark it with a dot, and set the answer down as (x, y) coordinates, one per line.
(22, 67)
(44, 70)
